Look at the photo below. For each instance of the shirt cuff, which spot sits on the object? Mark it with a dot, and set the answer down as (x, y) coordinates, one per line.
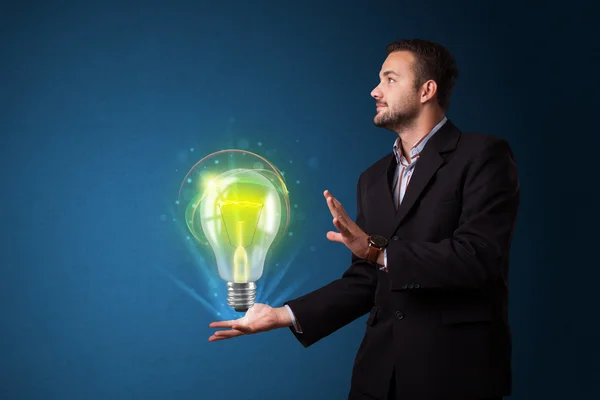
(384, 266)
(294, 322)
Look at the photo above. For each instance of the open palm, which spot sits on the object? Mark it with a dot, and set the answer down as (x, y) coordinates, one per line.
(258, 318)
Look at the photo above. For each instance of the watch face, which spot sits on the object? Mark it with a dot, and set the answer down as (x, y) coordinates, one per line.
(378, 241)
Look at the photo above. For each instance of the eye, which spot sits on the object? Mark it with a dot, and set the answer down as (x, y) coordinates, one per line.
(390, 80)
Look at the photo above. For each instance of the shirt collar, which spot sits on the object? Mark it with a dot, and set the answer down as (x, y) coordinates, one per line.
(417, 147)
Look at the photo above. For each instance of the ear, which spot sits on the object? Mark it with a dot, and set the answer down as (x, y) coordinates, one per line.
(428, 91)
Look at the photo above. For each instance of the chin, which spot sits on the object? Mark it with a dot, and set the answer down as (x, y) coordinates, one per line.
(379, 123)
(380, 119)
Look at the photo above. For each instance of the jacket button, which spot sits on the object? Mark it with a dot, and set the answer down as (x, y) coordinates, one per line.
(404, 286)
(410, 286)
(395, 238)
(417, 286)
(399, 315)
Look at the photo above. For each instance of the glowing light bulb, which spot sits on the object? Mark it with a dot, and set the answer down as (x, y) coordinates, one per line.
(239, 213)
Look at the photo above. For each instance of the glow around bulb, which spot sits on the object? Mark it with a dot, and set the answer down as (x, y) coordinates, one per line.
(240, 214)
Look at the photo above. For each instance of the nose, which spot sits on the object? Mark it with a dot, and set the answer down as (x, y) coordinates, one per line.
(376, 93)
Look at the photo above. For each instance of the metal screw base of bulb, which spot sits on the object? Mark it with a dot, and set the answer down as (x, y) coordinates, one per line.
(241, 296)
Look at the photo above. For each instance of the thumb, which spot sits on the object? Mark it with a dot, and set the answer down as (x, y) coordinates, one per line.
(334, 236)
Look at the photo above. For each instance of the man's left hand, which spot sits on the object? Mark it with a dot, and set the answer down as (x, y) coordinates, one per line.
(349, 233)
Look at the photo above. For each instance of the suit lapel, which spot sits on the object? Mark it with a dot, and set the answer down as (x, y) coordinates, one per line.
(429, 162)
(425, 169)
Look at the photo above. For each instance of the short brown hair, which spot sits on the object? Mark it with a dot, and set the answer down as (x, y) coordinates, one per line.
(433, 61)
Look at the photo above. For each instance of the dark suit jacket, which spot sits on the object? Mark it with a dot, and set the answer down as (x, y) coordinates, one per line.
(439, 316)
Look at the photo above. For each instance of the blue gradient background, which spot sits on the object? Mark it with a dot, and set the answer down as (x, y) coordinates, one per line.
(101, 103)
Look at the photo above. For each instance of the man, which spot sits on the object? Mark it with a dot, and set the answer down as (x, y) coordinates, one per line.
(430, 249)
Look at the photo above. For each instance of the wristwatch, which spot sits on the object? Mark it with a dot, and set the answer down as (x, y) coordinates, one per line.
(376, 244)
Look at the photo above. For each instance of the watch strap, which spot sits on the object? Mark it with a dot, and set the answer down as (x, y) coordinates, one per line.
(373, 254)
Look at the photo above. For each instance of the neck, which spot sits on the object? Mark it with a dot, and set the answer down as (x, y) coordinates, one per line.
(417, 129)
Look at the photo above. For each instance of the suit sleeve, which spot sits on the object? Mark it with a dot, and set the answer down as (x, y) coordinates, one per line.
(325, 310)
(473, 257)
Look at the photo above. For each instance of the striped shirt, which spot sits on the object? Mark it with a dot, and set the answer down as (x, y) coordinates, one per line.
(404, 169)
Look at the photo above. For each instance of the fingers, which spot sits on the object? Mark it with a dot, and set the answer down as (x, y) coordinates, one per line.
(214, 338)
(332, 204)
(341, 221)
(221, 336)
(340, 218)
(243, 328)
(226, 334)
(230, 333)
(335, 207)
(341, 226)
(222, 324)
(259, 323)
(237, 329)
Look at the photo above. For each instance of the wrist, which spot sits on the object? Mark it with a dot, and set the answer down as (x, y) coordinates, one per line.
(283, 317)
(375, 250)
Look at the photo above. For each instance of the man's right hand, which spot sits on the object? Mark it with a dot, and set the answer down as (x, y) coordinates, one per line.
(258, 318)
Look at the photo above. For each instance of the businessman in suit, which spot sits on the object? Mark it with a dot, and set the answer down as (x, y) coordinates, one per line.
(430, 249)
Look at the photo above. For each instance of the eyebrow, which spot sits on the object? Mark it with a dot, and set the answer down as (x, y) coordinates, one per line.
(388, 72)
